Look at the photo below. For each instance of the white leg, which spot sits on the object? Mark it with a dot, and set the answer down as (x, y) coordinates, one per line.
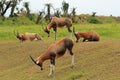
(72, 64)
(52, 67)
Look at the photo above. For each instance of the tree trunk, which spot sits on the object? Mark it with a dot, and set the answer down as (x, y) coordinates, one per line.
(12, 10)
(39, 18)
(3, 13)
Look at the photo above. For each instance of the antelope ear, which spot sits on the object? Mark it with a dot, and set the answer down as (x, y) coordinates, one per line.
(45, 29)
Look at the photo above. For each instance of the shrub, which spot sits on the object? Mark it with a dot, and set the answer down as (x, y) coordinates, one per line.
(75, 76)
(31, 17)
(93, 20)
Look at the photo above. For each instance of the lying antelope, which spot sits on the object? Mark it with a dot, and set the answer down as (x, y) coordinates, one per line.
(87, 36)
(27, 36)
(58, 23)
(55, 51)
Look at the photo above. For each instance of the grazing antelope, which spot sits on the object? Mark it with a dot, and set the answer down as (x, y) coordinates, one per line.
(60, 23)
(27, 36)
(87, 36)
(56, 50)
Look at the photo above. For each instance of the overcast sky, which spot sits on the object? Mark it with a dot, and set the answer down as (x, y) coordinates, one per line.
(102, 7)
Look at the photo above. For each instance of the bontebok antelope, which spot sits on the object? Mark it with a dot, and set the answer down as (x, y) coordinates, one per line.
(58, 23)
(55, 51)
(27, 36)
(87, 36)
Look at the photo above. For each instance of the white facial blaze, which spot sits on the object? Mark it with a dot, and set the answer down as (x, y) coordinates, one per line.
(37, 62)
(76, 32)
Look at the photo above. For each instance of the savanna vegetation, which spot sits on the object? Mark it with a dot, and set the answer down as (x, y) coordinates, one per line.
(93, 60)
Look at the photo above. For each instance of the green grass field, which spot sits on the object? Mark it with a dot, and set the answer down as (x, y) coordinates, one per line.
(106, 31)
(93, 60)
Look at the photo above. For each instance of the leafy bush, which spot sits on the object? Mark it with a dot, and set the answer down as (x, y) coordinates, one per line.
(32, 17)
(76, 20)
(93, 20)
(75, 76)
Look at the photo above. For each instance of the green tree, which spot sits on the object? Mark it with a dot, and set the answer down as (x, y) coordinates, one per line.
(57, 13)
(65, 7)
(93, 14)
(73, 14)
(26, 5)
(49, 5)
(39, 17)
(13, 5)
(4, 6)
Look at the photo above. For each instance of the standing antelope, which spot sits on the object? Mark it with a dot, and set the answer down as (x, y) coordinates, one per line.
(87, 36)
(60, 23)
(27, 36)
(55, 51)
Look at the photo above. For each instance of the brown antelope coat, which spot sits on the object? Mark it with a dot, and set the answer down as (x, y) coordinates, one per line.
(28, 36)
(58, 23)
(87, 36)
(55, 51)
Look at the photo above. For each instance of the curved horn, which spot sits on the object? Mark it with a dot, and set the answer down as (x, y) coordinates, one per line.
(16, 33)
(33, 60)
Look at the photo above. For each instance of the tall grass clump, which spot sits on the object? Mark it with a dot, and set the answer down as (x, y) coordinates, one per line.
(75, 76)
